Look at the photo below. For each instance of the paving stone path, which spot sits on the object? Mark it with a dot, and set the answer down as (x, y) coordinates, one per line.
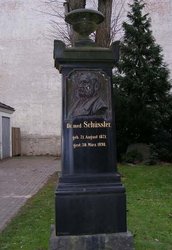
(20, 179)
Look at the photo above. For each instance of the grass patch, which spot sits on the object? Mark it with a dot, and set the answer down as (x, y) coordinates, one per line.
(30, 229)
(149, 199)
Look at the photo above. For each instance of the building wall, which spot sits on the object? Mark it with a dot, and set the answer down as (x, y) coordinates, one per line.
(161, 16)
(28, 80)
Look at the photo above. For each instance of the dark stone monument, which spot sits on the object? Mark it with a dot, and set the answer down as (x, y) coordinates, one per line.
(90, 198)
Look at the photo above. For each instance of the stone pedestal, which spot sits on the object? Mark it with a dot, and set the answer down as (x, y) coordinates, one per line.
(90, 198)
(117, 241)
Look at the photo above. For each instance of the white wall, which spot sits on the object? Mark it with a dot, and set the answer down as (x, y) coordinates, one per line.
(29, 82)
(161, 16)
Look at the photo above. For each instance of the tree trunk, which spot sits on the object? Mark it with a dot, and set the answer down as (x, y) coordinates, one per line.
(103, 33)
(76, 4)
(72, 5)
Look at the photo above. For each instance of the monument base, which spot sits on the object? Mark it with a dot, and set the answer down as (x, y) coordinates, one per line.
(115, 241)
(96, 205)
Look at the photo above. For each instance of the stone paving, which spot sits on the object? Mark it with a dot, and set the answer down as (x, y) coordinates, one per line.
(20, 179)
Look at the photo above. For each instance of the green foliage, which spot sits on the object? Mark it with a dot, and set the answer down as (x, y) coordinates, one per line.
(149, 205)
(133, 156)
(162, 146)
(141, 84)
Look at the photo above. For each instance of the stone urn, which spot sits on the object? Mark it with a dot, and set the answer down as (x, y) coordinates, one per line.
(84, 22)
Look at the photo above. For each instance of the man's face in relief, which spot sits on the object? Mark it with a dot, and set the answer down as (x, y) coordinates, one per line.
(86, 88)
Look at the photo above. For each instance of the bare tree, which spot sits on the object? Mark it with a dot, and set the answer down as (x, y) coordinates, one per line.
(113, 11)
(103, 32)
(76, 4)
(58, 28)
(118, 16)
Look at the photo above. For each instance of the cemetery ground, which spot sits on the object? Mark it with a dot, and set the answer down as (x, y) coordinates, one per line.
(149, 210)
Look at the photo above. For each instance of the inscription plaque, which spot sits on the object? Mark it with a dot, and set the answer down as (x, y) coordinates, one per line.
(88, 121)
(90, 140)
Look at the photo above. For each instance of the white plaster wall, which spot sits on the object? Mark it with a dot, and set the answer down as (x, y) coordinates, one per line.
(161, 16)
(28, 80)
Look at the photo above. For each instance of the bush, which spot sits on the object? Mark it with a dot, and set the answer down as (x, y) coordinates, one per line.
(162, 146)
(133, 156)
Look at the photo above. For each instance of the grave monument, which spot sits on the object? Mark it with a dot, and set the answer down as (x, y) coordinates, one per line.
(90, 198)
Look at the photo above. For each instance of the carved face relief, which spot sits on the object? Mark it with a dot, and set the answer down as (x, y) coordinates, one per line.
(87, 86)
(87, 94)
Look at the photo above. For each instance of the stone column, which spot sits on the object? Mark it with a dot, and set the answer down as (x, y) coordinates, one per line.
(90, 198)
